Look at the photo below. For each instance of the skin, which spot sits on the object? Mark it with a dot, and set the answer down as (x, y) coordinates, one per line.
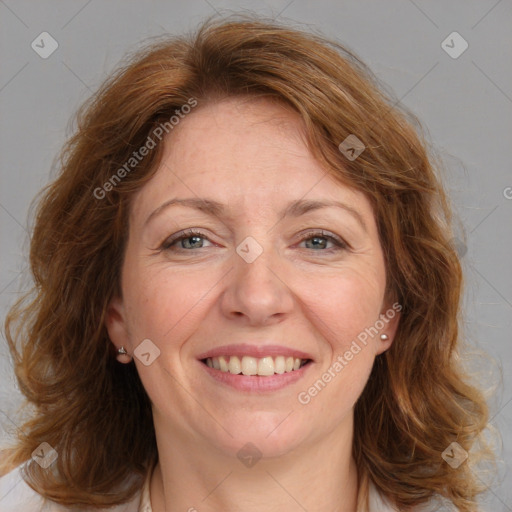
(250, 155)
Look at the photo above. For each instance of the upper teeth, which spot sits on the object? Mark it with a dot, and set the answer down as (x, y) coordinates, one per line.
(255, 366)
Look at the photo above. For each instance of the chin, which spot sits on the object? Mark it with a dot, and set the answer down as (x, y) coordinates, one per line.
(263, 432)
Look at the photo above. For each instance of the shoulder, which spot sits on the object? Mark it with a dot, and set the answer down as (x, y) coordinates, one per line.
(16, 495)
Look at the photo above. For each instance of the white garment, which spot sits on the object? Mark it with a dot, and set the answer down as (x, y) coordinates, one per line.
(17, 496)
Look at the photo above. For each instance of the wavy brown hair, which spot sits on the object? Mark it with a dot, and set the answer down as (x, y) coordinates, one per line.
(95, 412)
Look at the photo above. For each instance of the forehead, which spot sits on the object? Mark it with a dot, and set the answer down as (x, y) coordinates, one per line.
(249, 153)
(239, 137)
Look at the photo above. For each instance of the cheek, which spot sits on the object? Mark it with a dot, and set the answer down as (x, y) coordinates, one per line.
(162, 302)
(344, 305)
(342, 313)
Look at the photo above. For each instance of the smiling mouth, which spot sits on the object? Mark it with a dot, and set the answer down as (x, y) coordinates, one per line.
(254, 366)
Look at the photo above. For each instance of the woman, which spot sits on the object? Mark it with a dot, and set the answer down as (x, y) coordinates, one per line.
(245, 294)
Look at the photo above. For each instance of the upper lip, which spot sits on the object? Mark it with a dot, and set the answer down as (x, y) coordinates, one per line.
(257, 351)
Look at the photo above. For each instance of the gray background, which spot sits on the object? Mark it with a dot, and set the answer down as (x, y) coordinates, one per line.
(465, 104)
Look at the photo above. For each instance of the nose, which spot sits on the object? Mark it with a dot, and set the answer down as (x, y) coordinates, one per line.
(256, 293)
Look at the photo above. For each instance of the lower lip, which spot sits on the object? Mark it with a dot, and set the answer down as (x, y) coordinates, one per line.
(255, 383)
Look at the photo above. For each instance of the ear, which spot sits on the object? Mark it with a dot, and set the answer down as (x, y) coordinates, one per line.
(115, 322)
(390, 317)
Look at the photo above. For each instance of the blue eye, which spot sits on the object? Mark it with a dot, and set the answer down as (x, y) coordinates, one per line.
(320, 240)
(186, 236)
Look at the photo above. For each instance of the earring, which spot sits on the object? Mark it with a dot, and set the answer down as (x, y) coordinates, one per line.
(123, 356)
(384, 337)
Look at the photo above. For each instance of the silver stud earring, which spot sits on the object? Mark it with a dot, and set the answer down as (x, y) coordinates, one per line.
(384, 337)
(123, 356)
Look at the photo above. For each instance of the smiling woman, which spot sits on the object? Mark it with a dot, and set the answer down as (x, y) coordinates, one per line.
(260, 302)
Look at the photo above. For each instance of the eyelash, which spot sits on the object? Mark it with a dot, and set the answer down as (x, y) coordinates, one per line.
(338, 242)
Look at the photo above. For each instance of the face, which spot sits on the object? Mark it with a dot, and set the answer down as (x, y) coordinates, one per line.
(243, 255)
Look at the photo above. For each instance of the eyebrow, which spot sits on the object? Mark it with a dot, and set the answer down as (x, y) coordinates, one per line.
(294, 209)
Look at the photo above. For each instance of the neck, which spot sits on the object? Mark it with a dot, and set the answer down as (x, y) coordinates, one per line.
(193, 477)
